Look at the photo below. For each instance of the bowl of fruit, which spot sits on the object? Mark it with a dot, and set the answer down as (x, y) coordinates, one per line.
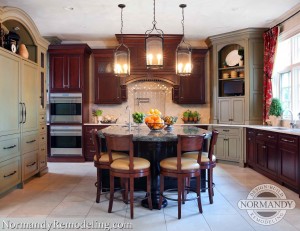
(169, 121)
(154, 120)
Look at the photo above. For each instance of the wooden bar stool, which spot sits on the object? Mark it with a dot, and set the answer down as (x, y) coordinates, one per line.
(207, 162)
(101, 161)
(182, 167)
(129, 167)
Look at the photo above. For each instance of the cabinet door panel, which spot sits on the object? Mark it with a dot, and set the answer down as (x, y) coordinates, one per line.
(107, 90)
(224, 111)
(272, 158)
(30, 97)
(9, 94)
(250, 147)
(238, 111)
(260, 154)
(288, 167)
(58, 72)
(233, 148)
(74, 72)
(219, 148)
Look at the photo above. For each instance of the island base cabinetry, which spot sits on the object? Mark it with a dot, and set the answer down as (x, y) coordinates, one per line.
(275, 155)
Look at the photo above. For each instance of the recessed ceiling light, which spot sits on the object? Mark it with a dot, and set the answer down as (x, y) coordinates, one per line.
(69, 8)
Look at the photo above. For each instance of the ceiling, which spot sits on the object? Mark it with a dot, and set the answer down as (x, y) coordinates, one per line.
(97, 21)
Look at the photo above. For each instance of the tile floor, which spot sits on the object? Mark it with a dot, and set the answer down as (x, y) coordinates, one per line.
(65, 199)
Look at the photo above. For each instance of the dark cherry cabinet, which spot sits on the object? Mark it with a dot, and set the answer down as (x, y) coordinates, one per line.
(88, 146)
(108, 87)
(275, 155)
(191, 89)
(68, 67)
(288, 159)
(250, 148)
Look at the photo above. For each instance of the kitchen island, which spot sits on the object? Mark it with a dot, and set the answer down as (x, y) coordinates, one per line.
(155, 146)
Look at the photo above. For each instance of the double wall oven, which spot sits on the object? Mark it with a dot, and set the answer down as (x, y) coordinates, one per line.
(66, 124)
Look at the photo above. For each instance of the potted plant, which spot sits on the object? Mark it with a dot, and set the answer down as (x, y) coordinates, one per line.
(98, 114)
(186, 116)
(275, 112)
(196, 116)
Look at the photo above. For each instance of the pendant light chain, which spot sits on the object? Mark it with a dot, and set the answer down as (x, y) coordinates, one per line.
(182, 22)
(121, 25)
(154, 20)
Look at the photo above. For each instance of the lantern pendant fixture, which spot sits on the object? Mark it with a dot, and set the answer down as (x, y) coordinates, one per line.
(122, 54)
(183, 53)
(154, 45)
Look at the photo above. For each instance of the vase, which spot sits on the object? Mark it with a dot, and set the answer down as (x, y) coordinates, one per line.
(23, 51)
(275, 121)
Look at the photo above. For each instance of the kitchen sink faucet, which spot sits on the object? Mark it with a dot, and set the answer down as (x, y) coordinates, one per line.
(292, 123)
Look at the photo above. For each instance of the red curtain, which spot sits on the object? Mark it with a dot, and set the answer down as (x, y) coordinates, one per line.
(270, 44)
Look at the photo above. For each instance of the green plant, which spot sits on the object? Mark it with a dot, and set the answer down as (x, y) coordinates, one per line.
(275, 107)
(187, 113)
(196, 114)
(97, 112)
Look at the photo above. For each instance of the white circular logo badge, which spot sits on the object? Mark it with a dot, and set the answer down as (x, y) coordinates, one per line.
(266, 204)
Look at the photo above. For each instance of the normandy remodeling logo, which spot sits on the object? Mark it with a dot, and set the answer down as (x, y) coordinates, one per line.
(266, 204)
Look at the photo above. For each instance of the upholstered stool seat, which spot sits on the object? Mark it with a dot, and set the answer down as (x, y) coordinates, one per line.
(104, 158)
(123, 163)
(186, 163)
(194, 155)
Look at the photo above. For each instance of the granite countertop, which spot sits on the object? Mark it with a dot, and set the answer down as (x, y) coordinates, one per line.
(143, 133)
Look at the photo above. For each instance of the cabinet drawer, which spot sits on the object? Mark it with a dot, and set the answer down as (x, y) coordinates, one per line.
(288, 140)
(43, 128)
(29, 143)
(9, 147)
(228, 131)
(30, 164)
(10, 173)
(266, 136)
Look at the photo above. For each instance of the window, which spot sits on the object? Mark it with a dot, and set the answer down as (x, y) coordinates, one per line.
(286, 74)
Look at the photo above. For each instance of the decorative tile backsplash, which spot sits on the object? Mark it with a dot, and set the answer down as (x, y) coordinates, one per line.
(143, 96)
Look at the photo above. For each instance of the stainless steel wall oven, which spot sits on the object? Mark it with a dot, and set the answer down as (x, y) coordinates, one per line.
(66, 108)
(66, 140)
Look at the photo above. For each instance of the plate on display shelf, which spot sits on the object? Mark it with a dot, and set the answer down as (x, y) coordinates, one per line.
(233, 58)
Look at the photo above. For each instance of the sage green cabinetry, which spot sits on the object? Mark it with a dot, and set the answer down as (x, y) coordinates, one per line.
(232, 109)
(250, 75)
(229, 144)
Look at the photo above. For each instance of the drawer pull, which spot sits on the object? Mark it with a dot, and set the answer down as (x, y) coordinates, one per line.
(271, 137)
(42, 118)
(260, 134)
(30, 165)
(10, 147)
(42, 149)
(31, 141)
(92, 150)
(286, 140)
(13, 173)
(43, 128)
(225, 130)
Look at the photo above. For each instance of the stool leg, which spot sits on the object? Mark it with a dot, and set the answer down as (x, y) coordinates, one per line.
(99, 185)
(161, 178)
(210, 188)
(111, 194)
(179, 182)
(131, 188)
(198, 190)
(149, 191)
(183, 189)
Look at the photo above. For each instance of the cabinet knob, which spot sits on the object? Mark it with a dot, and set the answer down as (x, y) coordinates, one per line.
(286, 140)
(264, 147)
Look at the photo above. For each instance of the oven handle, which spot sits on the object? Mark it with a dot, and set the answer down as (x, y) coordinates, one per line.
(66, 133)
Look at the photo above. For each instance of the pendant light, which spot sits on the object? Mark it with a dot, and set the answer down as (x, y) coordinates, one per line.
(122, 54)
(154, 45)
(183, 53)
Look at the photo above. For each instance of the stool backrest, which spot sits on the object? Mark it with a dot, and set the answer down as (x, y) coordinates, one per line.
(213, 141)
(96, 142)
(189, 143)
(119, 143)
